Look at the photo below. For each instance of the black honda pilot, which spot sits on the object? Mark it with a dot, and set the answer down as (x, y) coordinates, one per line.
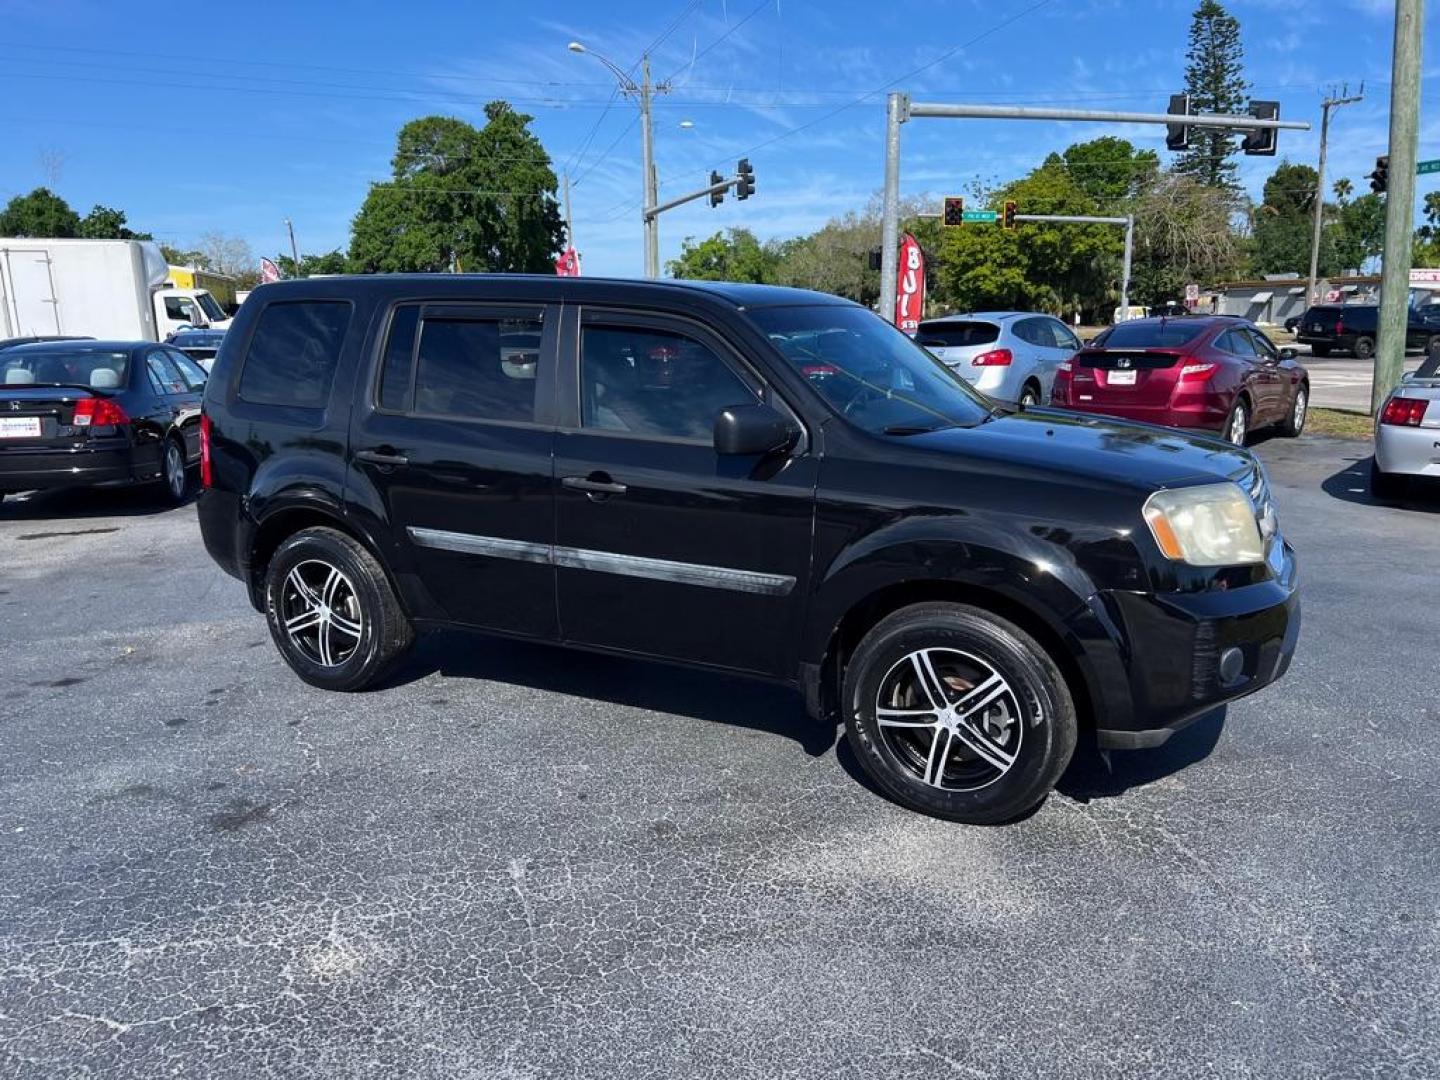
(760, 480)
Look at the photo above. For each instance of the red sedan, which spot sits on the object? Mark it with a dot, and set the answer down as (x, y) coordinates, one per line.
(1210, 372)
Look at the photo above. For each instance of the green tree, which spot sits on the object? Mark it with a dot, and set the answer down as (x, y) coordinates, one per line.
(1427, 237)
(1110, 169)
(40, 213)
(1215, 81)
(1359, 229)
(738, 256)
(332, 262)
(1284, 224)
(107, 223)
(1182, 234)
(472, 199)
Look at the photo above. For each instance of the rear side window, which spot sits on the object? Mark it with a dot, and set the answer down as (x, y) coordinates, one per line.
(399, 358)
(293, 353)
(479, 369)
(958, 334)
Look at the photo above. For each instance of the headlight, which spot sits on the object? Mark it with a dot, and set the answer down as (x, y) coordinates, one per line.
(1209, 525)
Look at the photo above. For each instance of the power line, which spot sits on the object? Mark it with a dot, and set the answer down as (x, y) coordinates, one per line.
(733, 27)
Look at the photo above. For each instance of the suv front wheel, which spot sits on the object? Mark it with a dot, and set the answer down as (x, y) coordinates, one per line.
(332, 612)
(958, 713)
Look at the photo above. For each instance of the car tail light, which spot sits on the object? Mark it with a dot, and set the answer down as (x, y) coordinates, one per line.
(1340, 325)
(207, 474)
(993, 358)
(1197, 371)
(98, 412)
(1405, 412)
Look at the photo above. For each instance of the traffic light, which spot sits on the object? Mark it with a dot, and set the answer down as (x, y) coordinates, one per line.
(1262, 140)
(1380, 178)
(1008, 218)
(716, 197)
(1177, 136)
(875, 259)
(745, 179)
(954, 211)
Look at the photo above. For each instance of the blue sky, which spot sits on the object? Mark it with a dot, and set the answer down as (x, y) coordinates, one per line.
(232, 117)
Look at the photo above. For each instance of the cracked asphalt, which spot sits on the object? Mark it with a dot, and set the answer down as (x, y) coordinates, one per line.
(520, 862)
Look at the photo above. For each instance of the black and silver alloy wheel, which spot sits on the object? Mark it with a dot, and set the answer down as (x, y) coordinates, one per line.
(173, 479)
(1237, 425)
(951, 718)
(956, 712)
(320, 612)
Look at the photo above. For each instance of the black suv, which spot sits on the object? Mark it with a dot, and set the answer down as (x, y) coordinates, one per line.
(762, 480)
(1352, 328)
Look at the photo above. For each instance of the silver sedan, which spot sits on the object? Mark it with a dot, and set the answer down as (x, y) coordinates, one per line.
(1407, 432)
(1007, 355)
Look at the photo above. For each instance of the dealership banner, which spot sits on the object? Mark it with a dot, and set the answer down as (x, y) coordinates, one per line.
(910, 286)
(268, 272)
(568, 264)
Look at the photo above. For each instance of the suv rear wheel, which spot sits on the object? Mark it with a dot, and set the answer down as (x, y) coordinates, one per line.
(332, 612)
(958, 713)
(1364, 347)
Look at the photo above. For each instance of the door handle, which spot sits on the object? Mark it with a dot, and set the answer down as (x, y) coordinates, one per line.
(384, 456)
(596, 484)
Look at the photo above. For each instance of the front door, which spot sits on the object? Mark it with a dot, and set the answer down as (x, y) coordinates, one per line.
(663, 546)
(454, 437)
(1270, 379)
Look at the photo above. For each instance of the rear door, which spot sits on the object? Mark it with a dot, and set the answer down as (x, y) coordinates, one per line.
(455, 440)
(188, 401)
(663, 546)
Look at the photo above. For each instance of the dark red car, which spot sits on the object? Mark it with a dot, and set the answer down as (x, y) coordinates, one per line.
(1214, 373)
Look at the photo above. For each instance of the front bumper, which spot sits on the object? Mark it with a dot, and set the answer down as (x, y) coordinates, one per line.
(41, 468)
(1172, 645)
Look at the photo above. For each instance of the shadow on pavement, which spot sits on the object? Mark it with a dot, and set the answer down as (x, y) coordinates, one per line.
(1352, 484)
(77, 504)
(639, 684)
(1088, 777)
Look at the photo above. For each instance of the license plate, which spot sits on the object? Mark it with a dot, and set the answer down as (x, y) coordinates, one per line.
(19, 427)
(1121, 378)
(1316, 328)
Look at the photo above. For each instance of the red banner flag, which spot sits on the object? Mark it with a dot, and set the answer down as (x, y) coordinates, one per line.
(910, 286)
(568, 264)
(268, 271)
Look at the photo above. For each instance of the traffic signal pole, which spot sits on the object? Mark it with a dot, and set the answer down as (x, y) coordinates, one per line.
(1399, 202)
(900, 109)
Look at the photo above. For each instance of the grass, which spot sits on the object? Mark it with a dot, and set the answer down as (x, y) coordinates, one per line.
(1340, 423)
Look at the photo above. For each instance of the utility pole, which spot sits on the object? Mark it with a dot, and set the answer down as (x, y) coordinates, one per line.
(569, 225)
(294, 251)
(647, 152)
(1325, 107)
(1399, 201)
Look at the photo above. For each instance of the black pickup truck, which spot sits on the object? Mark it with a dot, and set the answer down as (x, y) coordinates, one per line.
(1352, 328)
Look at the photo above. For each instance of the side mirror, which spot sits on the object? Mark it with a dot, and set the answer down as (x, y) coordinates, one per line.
(1288, 353)
(753, 429)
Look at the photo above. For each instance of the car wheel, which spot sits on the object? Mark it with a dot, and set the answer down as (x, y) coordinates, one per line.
(1364, 348)
(174, 480)
(1237, 424)
(1294, 422)
(1320, 350)
(1386, 487)
(1029, 396)
(955, 712)
(332, 612)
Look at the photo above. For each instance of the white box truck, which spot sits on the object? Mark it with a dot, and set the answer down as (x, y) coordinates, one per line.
(112, 289)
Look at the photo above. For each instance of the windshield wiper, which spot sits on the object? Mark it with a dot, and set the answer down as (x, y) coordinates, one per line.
(916, 429)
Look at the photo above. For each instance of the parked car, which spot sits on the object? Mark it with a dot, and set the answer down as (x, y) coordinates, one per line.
(1211, 372)
(761, 480)
(1009, 355)
(1352, 328)
(1407, 432)
(31, 339)
(200, 345)
(90, 413)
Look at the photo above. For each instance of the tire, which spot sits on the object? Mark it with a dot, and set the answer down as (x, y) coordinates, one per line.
(1026, 732)
(334, 651)
(1294, 422)
(1320, 350)
(1029, 396)
(1386, 487)
(1237, 424)
(174, 486)
(1364, 348)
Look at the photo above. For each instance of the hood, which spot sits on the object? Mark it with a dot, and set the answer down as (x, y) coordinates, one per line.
(1137, 455)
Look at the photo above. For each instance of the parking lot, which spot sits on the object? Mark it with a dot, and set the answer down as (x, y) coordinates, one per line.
(520, 862)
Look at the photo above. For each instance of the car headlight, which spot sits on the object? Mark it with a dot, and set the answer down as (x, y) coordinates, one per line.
(1208, 525)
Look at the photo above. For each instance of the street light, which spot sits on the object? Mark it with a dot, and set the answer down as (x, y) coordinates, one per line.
(643, 92)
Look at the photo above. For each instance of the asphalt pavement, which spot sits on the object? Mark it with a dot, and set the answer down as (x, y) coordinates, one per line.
(1343, 382)
(519, 862)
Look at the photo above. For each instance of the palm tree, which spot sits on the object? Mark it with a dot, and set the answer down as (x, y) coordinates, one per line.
(1343, 189)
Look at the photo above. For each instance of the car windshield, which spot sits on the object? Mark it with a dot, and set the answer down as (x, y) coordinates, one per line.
(1157, 334)
(212, 306)
(873, 374)
(101, 369)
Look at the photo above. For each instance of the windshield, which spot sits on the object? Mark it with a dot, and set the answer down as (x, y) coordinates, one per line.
(212, 307)
(100, 369)
(873, 374)
(1161, 334)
